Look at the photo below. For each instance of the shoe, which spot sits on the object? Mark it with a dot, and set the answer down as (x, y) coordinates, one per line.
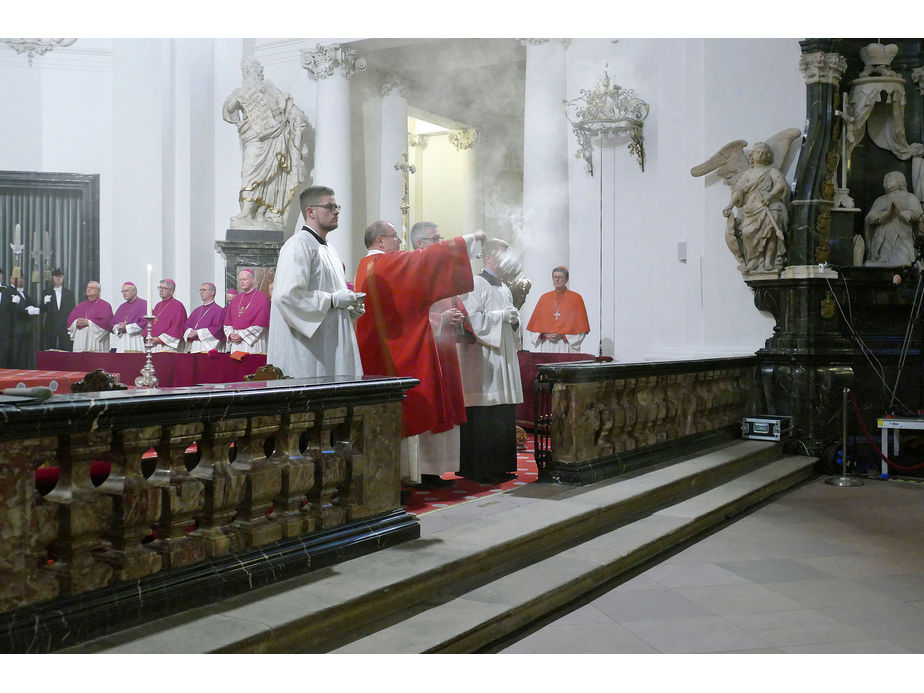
(504, 476)
(436, 481)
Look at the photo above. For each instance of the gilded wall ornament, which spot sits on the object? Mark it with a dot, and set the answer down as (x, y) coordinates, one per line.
(463, 139)
(607, 110)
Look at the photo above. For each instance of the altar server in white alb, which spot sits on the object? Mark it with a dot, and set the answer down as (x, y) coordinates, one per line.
(313, 312)
(90, 321)
(247, 316)
(490, 375)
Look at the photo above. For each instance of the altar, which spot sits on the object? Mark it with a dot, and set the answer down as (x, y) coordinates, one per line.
(171, 369)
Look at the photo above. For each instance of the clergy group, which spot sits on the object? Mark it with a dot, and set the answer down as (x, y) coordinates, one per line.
(239, 327)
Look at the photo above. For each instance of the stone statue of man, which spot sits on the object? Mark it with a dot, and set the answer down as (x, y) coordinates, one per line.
(274, 143)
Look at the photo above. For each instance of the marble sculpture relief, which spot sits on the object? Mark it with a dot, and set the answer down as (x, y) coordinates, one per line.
(274, 141)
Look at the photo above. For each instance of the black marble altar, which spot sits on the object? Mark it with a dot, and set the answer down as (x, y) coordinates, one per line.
(287, 476)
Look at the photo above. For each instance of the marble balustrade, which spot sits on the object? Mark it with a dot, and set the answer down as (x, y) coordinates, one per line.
(272, 461)
(596, 420)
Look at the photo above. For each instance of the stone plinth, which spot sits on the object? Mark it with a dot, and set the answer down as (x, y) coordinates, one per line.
(598, 420)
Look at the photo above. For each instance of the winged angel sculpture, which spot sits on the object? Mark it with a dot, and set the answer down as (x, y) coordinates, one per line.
(756, 236)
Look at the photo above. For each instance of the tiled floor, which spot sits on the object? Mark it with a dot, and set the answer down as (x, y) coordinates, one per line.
(823, 569)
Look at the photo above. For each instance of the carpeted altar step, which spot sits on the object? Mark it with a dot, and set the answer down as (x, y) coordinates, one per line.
(484, 569)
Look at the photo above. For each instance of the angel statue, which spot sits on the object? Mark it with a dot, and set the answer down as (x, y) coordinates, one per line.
(757, 235)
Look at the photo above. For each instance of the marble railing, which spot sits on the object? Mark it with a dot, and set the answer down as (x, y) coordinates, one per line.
(595, 420)
(194, 475)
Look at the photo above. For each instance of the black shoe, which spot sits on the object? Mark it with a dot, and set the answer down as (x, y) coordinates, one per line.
(504, 476)
(436, 481)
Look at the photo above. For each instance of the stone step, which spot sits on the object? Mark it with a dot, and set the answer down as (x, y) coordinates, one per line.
(493, 611)
(466, 548)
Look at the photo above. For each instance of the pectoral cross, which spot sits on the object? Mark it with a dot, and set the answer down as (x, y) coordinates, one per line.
(406, 169)
(556, 314)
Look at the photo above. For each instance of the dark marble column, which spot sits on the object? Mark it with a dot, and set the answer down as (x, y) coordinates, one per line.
(256, 250)
(813, 194)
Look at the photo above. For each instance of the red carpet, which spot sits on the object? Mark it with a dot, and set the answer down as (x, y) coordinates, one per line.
(465, 490)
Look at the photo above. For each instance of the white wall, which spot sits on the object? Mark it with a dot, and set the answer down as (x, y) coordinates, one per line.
(702, 94)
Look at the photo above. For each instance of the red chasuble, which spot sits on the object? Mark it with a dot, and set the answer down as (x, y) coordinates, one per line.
(169, 317)
(98, 312)
(394, 334)
(248, 310)
(559, 313)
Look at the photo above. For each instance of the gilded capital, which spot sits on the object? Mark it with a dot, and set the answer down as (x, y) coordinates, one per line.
(827, 68)
(324, 60)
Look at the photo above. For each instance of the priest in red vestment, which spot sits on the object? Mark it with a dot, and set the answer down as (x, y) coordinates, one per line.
(90, 321)
(247, 317)
(169, 319)
(395, 336)
(559, 320)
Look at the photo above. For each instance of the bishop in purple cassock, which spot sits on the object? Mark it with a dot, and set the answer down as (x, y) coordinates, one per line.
(128, 323)
(169, 319)
(247, 317)
(204, 331)
(89, 323)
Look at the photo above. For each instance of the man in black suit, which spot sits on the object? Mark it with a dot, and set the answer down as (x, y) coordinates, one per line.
(24, 310)
(57, 303)
(6, 323)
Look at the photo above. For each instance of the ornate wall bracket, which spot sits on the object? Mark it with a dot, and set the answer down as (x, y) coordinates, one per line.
(32, 47)
(607, 110)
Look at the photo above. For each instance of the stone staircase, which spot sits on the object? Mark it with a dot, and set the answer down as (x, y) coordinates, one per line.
(483, 570)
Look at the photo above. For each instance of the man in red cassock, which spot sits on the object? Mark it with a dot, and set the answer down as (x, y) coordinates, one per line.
(169, 319)
(247, 317)
(559, 320)
(395, 336)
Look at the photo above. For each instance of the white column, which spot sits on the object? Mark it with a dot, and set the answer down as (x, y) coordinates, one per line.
(332, 66)
(545, 168)
(394, 142)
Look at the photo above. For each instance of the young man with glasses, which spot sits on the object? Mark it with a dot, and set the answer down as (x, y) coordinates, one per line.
(312, 311)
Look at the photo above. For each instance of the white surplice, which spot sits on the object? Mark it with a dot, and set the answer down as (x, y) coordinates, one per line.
(206, 342)
(130, 340)
(90, 338)
(572, 346)
(307, 337)
(490, 368)
(255, 339)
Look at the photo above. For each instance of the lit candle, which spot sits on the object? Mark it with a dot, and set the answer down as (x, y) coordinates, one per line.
(17, 238)
(149, 296)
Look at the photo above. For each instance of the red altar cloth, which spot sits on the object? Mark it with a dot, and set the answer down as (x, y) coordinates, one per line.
(526, 412)
(58, 380)
(171, 370)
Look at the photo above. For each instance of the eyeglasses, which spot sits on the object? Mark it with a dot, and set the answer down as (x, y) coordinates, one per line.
(330, 207)
(392, 235)
(436, 239)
